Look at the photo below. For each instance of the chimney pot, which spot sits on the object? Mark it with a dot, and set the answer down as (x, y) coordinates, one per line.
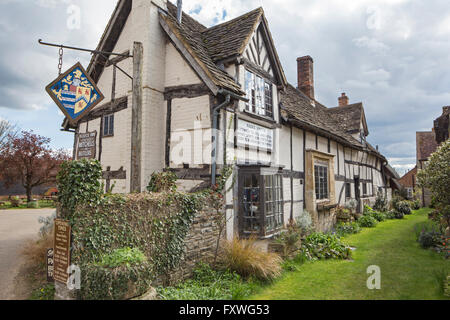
(343, 100)
(305, 73)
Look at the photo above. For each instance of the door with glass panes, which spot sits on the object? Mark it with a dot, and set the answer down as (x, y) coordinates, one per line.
(261, 203)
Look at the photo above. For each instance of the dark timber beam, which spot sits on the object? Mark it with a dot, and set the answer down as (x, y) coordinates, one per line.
(136, 119)
(117, 105)
(186, 91)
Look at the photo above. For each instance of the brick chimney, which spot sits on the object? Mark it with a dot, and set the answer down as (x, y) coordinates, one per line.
(343, 100)
(305, 72)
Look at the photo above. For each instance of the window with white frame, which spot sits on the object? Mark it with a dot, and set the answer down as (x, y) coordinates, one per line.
(321, 180)
(260, 95)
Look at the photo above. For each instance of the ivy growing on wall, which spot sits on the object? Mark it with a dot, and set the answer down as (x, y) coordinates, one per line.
(154, 223)
(79, 183)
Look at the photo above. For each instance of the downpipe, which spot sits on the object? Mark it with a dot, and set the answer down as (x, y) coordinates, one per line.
(216, 112)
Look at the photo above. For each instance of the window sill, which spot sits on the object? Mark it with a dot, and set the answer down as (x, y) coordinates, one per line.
(109, 136)
(258, 116)
(326, 207)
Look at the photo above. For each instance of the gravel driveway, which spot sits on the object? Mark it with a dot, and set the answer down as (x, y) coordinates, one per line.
(16, 227)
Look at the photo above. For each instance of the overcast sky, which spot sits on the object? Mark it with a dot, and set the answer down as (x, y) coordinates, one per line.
(393, 55)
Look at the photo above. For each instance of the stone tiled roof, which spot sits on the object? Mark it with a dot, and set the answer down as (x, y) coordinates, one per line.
(229, 39)
(425, 144)
(190, 34)
(301, 109)
(349, 117)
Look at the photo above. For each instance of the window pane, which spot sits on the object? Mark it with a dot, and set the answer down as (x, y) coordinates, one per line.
(106, 126)
(111, 125)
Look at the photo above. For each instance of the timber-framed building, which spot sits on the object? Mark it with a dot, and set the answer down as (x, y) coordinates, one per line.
(204, 97)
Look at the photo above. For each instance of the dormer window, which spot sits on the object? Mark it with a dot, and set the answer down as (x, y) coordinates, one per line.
(260, 95)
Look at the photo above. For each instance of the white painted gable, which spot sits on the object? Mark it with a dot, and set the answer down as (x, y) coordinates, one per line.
(256, 51)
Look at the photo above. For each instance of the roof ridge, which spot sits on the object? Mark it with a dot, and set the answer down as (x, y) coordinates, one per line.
(357, 104)
(234, 19)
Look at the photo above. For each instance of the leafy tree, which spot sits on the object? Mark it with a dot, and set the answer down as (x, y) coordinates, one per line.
(436, 177)
(28, 159)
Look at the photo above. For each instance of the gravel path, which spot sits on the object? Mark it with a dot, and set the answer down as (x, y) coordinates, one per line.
(16, 227)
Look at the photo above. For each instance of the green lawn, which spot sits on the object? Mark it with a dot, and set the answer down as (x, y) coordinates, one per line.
(407, 270)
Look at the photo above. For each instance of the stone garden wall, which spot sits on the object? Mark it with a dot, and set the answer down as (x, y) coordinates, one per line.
(200, 245)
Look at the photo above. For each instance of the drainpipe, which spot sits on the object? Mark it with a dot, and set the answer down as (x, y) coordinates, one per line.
(216, 111)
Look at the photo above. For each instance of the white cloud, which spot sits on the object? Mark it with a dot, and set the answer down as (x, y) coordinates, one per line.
(38, 107)
(371, 43)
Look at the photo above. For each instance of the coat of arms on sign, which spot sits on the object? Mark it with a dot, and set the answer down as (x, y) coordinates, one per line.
(75, 93)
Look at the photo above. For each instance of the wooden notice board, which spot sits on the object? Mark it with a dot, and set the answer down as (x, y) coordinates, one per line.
(61, 252)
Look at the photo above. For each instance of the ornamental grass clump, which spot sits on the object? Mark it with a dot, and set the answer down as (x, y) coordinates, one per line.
(246, 259)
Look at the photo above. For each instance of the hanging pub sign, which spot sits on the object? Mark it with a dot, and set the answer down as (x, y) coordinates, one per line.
(75, 93)
(87, 145)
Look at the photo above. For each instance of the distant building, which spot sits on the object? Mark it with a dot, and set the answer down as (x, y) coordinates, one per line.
(442, 126)
(426, 144)
(409, 182)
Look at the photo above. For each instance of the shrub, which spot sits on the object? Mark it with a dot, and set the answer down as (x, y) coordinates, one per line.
(35, 252)
(381, 203)
(367, 221)
(343, 215)
(208, 284)
(379, 216)
(46, 292)
(415, 205)
(351, 205)
(404, 207)
(390, 214)
(15, 202)
(367, 209)
(290, 240)
(398, 215)
(33, 205)
(428, 226)
(243, 257)
(48, 223)
(162, 182)
(343, 229)
(436, 177)
(119, 283)
(304, 222)
(324, 246)
(429, 239)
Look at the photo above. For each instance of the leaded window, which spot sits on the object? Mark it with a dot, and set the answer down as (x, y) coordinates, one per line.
(108, 125)
(273, 199)
(321, 180)
(260, 95)
(262, 206)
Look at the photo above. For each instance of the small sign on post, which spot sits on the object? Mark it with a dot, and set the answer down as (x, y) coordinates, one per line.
(62, 250)
(87, 145)
(50, 265)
